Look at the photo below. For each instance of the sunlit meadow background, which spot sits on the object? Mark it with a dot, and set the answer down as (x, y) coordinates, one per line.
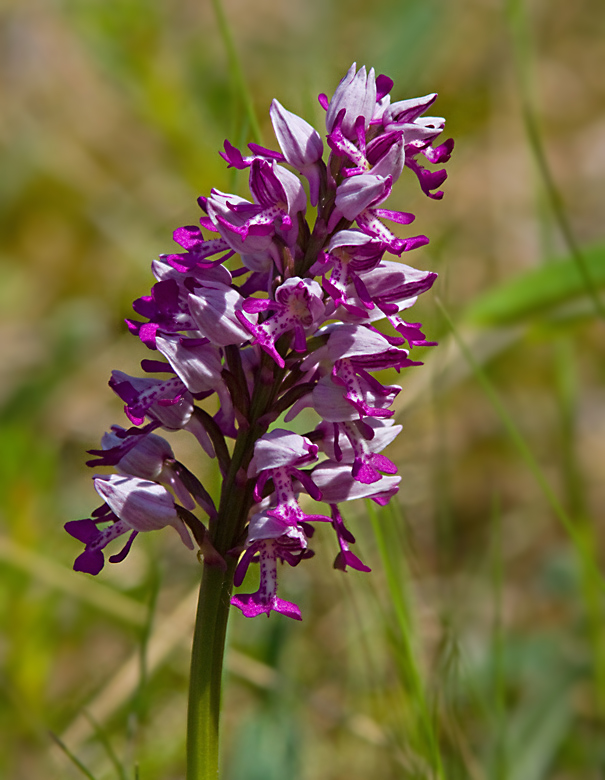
(476, 648)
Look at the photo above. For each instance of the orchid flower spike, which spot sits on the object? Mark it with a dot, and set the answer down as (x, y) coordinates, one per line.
(260, 313)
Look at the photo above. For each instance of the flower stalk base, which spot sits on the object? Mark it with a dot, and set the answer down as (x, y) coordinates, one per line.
(206, 673)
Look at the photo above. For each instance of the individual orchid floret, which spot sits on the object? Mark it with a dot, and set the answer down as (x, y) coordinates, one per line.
(278, 455)
(165, 310)
(358, 442)
(358, 199)
(133, 505)
(241, 223)
(300, 143)
(419, 133)
(355, 96)
(337, 485)
(145, 456)
(271, 539)
(146, 394)
(168, 403)
(349, 253)
(249, 227)
(390, 287)
(298, 305)
(144, 505)
(278, 191)
(382, 156)
(167, 307)
(356, 350)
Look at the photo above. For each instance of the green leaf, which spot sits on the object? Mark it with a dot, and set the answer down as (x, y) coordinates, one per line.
(538, 291)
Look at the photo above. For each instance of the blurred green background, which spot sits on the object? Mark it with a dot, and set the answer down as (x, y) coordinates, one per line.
(476, 648)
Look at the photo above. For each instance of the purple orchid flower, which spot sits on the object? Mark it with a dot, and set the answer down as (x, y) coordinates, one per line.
(133, 505)
(298, 305)
(263, 315)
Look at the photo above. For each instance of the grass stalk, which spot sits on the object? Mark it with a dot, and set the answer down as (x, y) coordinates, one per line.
(235, 68)
(579, 532)
(384, 525)
(520, 33)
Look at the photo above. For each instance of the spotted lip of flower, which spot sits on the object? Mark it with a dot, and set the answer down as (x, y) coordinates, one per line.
(271, 539)
(168, 403)
(328, 400)
(382, 156)
(146, 395)
(249, 227)
(349, 253)
(298, 305)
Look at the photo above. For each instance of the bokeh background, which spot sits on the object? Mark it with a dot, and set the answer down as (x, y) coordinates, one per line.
(476, 648)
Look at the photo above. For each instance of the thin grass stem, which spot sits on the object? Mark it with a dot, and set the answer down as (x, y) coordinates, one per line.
(427, 738)
(72, 757)
(106, 742)
(237, 74)
(580, 533)
(520, 33)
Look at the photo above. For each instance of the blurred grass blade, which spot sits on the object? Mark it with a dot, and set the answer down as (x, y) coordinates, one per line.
(501, 760)
(93, 592)
(73, 758)
(386, 525)
(237, 74)
(538, 291)
(527, 455)
(522, 50)
(101, 735)
(538, 730)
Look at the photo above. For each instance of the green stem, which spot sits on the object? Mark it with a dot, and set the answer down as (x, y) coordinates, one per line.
(206, 673)
(215, 589)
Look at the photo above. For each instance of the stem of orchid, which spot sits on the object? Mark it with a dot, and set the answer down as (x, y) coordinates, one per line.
(206, 672)
(215, 596)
